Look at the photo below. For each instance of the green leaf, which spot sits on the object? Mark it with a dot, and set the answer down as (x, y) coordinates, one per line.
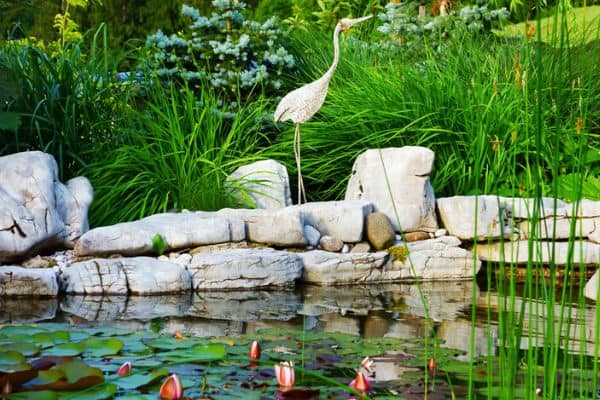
(10, 368)
(11, 357)
(13, 330)
(69, 375)
(159, 244)
(9, 121)
(27, 349)
(102, 347)
(203, 353)
(137, 380)
(36, 395)
(65, 349)
(99, 392)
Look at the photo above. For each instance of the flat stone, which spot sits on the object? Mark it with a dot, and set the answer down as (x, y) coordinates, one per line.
(343, 220)
(18, 281)
(517, 252)
(244, 269)
(282, 227)
(523, 208)
(396, 181)
(265, 184)
(330, 243)
(137, 275)
(178, 230)
(328, 268)
(472, 217)
(415, 236)
(361, 247)
(591, 287)
(379, 231)
(560, 228)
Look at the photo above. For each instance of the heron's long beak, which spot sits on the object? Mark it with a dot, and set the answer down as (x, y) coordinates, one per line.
(348, 23)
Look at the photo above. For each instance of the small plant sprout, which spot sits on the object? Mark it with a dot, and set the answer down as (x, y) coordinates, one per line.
(254, 351)
(124, 369)
(171, 389)
(284, 372)
(360, 382)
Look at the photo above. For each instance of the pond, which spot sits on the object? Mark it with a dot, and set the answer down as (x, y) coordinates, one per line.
(329, 330)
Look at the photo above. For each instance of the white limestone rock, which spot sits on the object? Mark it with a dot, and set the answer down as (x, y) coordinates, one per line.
(18, 281)
(37, 211)
(343, 220)
(265, 185)
(244, 269)
(283, 227)
(329, 243)
(518, 252)
(473, 217)
(136, 275)
(591, 287)
(560, 228)
(433, 259)
(396, 179)
(524, 208)
(178, 230)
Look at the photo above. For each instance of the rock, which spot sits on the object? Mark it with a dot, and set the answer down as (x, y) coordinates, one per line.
(379, 230)
(560, 228)
(396, 181)
(345, 248)
(244, 269)
(283, 227)
(584, 209)
(591, 287)
(523, 208)
(517, 252)
(440, 232)
(178, 230)
(361, 247)
(473, 217)
(265, 185)
(341, 219)
(37, 211)
(38, 262)
(432, 259)
(18, 281)
(415, 236)
(312, 235)
(329, 243)
(137, 275)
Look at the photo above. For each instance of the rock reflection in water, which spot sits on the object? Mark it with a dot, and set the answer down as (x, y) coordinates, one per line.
(19, 310)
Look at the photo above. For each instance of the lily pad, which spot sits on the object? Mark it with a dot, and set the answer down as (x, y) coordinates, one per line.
(137, 380)
(14, 330)
(11, 357)
(65, 349)
(202, 353)
(26, 349)
(34, 395)
(94, 347)
(69, 375)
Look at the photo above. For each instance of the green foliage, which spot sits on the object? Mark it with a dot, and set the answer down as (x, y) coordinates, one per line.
(158, 244)
(175, 152)
(266, 9)
(240, 58)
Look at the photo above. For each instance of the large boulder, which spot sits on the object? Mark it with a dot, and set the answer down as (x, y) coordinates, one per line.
(37, 211)
(545, 252)
(343, 220)
(263, 184)
(18, 281)
(178, 230)
(244, 269)
(396, 181)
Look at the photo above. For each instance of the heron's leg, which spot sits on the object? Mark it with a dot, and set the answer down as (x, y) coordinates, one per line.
(297, 155)
(300, 180)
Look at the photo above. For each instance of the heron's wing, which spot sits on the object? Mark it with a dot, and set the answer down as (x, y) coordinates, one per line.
(301, 104)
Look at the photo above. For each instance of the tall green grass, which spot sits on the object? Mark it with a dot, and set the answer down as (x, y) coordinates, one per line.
(174, 152)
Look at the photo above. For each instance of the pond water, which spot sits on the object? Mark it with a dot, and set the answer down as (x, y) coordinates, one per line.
(394, 311)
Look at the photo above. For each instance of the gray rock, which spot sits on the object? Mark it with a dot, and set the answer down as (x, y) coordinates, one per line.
(328, 268)
(361, 247)
(37, 211)
(341, 219)
(379, 230)
(312, 235)
(137, 275)
(560, 228)
(244, 269)
(524, 208)
(329, 243)
(473, 217)
(178, 230)
(543, 251)
(396, 181)
(18, 281)
(265, 185)
(283, 227)
(591, 287)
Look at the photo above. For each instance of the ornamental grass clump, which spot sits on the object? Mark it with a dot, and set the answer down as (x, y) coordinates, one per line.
(239, 58)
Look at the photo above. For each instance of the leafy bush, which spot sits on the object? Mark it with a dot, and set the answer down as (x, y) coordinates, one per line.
(236, 56)
(174, 152)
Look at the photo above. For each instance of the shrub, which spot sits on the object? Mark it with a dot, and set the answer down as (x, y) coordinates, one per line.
(238, 57)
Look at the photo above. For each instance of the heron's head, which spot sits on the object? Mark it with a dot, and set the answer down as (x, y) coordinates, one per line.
(346, 23)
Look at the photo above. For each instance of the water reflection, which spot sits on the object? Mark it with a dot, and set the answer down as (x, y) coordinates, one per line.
(391, 310)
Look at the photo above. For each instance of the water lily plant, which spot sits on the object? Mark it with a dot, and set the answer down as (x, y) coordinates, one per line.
(171, 389)
(284, 372)
(254, 351)
(361, 382)
(124, 369)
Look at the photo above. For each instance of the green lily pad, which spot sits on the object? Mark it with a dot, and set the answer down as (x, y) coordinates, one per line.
(202, 353)
(27, 349)
(42, 339)
(169, 343)
(69, 375)
(137, 380)
(13, 330)
(11, 357)
(101, 347)
(34, 395)
(99, 392)
(65, 350)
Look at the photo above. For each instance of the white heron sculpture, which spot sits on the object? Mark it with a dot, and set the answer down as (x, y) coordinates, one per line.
(301, 104)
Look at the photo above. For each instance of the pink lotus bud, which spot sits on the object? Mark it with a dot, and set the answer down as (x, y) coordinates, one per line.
(367, 364)
(255, 351)
(171, 389)
(360, 383)
(124, 369)
(285, 374)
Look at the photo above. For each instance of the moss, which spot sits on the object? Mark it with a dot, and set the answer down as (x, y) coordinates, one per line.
(398, 252)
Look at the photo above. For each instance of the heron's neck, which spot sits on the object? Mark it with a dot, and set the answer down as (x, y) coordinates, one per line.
(336, 53)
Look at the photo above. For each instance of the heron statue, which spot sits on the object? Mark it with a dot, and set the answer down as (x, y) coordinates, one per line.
(301, 104)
